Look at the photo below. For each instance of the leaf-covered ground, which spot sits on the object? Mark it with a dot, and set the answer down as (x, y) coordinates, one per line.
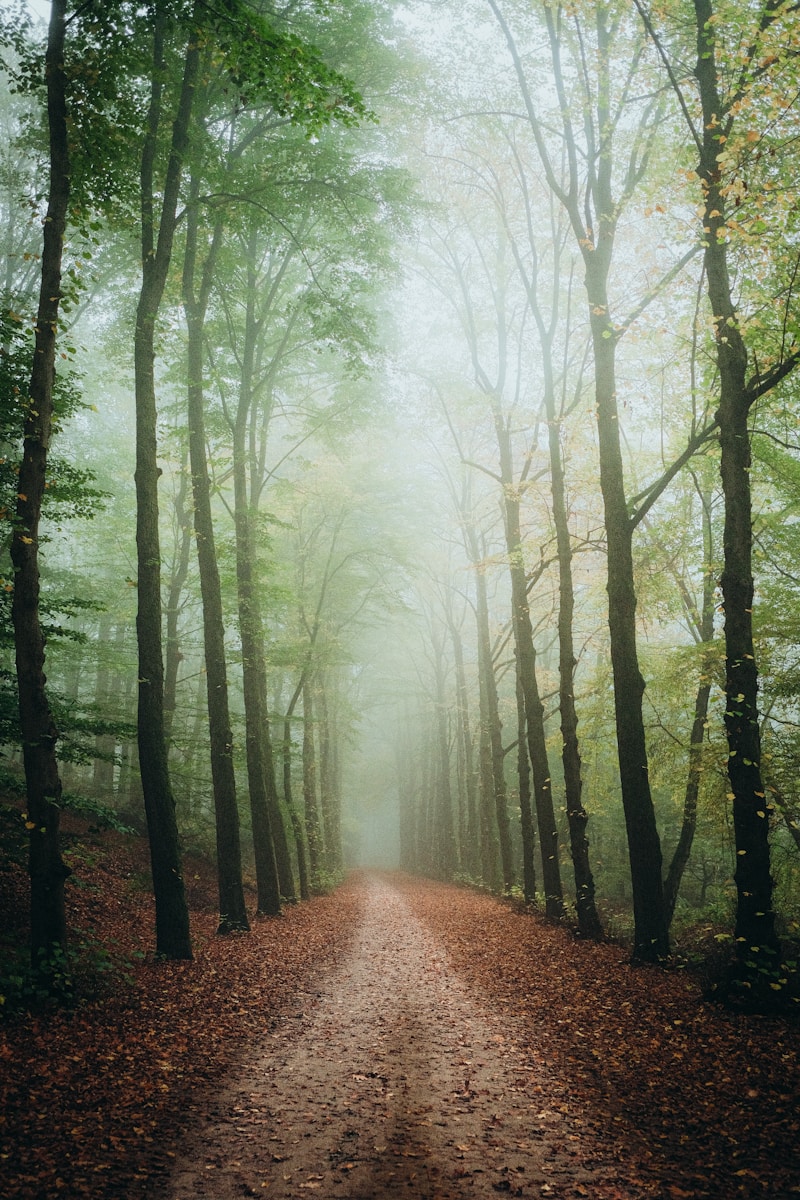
(691, 1100)
(569, 1073)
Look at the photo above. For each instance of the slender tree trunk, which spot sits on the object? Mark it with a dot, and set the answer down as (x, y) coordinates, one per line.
(444, 831)
(525, 810)
(232, 907)
(589, 923)
(173, 656)
(705, 632)
(267, 882)
(283, 860)
(651, 940)
(405, 770)
(526, 668)
(172, 917)
(468, 823)
(755, 936)
(288, 797)
(103, 765)
(329, 783)
(294, 815)
(272, 850)
(310, 801)
(273, 865)
(492, 752)
(46, 868)
(683, 849)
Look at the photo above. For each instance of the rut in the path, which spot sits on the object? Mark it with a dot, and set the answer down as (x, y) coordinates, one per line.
(389, 1083)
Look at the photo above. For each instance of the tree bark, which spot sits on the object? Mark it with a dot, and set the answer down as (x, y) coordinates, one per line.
(755, 937)
(232, 907)
(310, 800)
(251, 634)
(172, 649)
(288, 797)
(330, 801)
(525, 810)
(444, 830)
(704, 629)
(468, 822)
(104, 743)
(46, 867)
(589, 923)
(493, 805)
(525, 653)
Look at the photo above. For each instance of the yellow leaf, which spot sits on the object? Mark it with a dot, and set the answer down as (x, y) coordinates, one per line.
(28, 541)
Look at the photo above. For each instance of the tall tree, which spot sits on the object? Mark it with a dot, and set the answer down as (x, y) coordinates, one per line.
(196, 295)
(731, 87)
(157, 234)
(39, 733)
(587, 195)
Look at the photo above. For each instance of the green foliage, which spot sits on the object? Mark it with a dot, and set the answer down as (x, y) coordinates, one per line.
(82, 971)
(268, 64)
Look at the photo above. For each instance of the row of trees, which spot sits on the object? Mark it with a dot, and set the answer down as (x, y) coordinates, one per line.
(227, 141)
(555, 505)
(619, 233)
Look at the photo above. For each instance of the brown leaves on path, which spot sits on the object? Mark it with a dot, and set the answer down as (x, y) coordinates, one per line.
(94, 1101)
(689, 1099)
(544, 1067)
(394, 1083)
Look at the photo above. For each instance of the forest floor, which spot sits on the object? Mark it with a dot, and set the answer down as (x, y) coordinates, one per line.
(399, 1037)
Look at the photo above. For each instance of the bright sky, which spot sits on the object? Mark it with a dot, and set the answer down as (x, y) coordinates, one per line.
(40, 8)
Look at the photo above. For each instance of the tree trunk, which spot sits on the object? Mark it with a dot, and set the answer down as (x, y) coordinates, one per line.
(283, 860)
(705, 632)
(310, 802)
(104, 744)
(232, 907)
(444, 831)
(683, 849)
(651, 941)
(172, 917)
(492, 777)
(329, 786)
(468, 823)
(288, 799)
(525, 811)
(250, 630)
(526, 668)
(269, 892)
(39, 734)
(757, 944)
(589, 923)
(272, 849)
(173, 657)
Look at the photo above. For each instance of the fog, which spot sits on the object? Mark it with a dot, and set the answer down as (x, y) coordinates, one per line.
(458, 395)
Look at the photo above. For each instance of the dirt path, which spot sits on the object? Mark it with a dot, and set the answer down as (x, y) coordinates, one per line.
(389, 1081)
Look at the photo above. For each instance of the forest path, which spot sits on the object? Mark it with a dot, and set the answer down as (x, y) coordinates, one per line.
(391, 1081)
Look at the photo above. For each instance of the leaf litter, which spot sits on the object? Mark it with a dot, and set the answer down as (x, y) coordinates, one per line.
(399, 1037)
